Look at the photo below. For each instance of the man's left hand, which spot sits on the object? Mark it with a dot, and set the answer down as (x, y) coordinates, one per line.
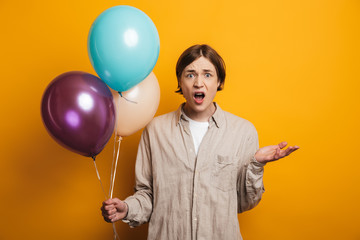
(274, 152)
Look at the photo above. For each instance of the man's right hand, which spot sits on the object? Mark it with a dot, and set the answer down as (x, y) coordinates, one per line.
(114, 210)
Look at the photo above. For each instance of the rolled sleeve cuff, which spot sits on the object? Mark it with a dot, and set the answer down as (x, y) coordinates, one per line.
(256, 164)
(254, 176)
(130, 218)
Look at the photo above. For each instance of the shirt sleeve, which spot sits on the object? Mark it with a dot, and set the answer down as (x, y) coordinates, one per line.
(140, 204)
(250, 181)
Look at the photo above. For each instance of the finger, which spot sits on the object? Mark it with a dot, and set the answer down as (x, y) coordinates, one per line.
(109, 216)
(105, 215)
(293, 149)
(282, 144)
(103, 210)
(109, 207)
(107, 219)
(103, 207)
(112, 215)
(281, 154)
(288, 151)
(109, 201)
(108, 212)
(115, 218)
(111, 212)
(277, 154)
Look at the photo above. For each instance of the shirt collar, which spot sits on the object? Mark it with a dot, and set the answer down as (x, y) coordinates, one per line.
(218, 117)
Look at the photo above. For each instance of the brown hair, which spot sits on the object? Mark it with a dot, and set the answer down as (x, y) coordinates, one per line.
(195, 52)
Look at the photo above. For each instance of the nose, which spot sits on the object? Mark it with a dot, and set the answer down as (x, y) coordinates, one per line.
(198, 82)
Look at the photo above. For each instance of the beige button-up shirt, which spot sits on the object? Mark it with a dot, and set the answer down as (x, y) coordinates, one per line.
(189, 196)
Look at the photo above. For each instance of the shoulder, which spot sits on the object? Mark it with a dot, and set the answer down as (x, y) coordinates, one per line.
(236, 123)
(236, 120)
(162, 121)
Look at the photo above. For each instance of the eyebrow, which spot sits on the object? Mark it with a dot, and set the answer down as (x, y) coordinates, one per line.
(193, 71)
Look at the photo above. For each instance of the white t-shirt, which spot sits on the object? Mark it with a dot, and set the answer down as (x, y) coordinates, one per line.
(198, 131)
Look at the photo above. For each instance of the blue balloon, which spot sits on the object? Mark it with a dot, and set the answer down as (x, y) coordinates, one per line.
(123, 46)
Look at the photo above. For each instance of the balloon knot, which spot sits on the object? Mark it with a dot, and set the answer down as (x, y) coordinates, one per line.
(126, 98)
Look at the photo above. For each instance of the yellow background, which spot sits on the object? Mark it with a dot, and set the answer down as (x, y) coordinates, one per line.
(292, 70)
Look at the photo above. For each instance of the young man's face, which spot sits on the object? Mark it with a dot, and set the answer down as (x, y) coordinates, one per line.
(199, 83)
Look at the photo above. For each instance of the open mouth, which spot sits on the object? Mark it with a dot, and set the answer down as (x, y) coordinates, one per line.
(199, 97)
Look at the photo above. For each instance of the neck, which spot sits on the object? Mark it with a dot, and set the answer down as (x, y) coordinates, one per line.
(202, 116)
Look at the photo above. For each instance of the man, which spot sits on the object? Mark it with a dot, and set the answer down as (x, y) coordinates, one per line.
(199, 166)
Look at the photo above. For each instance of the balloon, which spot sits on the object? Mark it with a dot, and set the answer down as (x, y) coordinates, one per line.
(123, 46)
(137, 106)
(78, 112)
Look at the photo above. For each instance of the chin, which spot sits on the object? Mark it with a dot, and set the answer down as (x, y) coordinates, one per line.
(202, 107)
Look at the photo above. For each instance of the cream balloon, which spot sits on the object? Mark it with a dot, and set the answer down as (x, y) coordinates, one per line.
(136, 107)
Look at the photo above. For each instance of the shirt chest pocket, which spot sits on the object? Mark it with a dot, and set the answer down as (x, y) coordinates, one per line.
(223, 175)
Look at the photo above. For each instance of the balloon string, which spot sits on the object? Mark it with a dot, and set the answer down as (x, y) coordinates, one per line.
(116, 235)
(113, 171)
(106, 197)
(126, 98)
(111, 179)
(113, 174)
(113, 160)
(116, 162)
(112, 183)
(98, 175)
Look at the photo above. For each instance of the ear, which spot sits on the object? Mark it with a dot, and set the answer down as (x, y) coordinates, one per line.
(219, 83)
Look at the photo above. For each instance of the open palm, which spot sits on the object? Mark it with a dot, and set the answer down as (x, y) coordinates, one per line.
(274, 152)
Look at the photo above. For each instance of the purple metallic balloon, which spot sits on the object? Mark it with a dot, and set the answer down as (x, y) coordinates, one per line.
(78, 111)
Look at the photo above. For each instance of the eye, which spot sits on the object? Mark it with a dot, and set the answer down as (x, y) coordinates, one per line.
(190, 75)
(207, 75)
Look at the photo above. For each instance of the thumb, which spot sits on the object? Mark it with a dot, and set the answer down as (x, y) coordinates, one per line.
(108, 202)
(121, 206)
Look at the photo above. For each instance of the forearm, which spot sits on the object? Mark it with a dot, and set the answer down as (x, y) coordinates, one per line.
(140, 204)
